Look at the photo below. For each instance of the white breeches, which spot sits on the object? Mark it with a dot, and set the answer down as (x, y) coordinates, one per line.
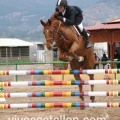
(81, 26)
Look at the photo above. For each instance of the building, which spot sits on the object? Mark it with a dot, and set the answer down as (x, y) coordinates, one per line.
(107, 32)
(16, 50)
(12, 49)
(39, 53)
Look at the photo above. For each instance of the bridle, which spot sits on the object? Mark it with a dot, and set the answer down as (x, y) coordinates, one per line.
(51, 39)
(54, 31)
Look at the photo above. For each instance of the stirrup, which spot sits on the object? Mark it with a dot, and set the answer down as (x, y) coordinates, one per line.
(89, 45)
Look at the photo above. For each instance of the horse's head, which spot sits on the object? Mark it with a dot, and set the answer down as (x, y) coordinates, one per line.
(49, 31)
(49, 34)
(52, 31)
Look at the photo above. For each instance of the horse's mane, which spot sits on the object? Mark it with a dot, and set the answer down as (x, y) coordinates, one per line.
(55, 23)
(53, 17)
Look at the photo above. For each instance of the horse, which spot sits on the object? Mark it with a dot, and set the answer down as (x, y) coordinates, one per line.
(69, 44)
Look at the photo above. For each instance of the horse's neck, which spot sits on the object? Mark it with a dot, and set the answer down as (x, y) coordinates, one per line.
(57, 37)
(69, 32)
(62, 42)
(72, 36)
(52, 18)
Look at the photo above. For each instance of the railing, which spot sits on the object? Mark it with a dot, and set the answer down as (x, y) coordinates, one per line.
(99, 64)
(113, 64)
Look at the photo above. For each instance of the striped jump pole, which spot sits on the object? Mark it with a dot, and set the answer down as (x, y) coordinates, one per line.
(50, 72)
(59, 105)
(59, 94)
(53, 83)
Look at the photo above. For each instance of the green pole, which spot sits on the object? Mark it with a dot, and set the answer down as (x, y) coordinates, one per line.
(115, 66)
(1, 88)
(63, 69)
(16, 69)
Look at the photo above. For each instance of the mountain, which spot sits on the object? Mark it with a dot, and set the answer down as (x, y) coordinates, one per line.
(20, 18)
(103, 11)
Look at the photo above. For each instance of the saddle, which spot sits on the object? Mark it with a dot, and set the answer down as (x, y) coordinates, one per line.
(79, 32)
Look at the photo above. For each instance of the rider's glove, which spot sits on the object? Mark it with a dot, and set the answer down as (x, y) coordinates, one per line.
(59, 18)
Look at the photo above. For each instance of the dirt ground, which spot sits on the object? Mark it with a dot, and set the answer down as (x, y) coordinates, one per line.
(90, 113)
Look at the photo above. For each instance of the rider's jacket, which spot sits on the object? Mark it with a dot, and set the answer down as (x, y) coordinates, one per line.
(73, 15)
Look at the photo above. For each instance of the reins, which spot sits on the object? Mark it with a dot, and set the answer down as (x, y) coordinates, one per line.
(62, 37)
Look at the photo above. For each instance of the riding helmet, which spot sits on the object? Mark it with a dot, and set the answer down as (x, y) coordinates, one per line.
(62, 3)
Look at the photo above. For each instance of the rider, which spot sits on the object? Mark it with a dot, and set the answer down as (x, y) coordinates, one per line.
(72, 15)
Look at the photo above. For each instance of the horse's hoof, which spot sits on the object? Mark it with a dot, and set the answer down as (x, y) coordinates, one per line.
(68, 58)
(92, 98)
(80, 59)
(82, 108)
(82, 98)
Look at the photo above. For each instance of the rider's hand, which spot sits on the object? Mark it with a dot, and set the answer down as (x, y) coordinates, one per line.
(59, 18)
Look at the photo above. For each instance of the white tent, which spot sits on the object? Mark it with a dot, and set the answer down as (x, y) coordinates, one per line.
(101, 46)
(100, 49)
(13, 42)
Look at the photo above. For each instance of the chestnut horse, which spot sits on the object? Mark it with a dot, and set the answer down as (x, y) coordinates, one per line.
(69, 44)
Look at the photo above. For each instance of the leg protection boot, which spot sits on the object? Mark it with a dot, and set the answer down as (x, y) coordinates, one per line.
(84, 34)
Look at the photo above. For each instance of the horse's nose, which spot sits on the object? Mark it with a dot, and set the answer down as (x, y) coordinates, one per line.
(49, 47)
(44, 43)
(54, 47)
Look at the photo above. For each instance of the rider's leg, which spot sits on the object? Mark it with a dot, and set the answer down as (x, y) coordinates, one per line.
(84, 34)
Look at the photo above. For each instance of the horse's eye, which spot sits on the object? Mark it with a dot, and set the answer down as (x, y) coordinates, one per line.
(51, 31)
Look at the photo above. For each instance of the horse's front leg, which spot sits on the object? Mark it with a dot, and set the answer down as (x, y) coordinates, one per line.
(75, 46)
(64, 56)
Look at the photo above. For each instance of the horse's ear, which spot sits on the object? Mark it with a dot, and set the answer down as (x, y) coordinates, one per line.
(49, 21)
(43, 23)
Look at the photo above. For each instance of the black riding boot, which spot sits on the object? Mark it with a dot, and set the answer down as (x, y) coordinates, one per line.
(85, 35)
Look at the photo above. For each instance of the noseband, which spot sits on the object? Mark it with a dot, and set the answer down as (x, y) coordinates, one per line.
(52, 38)
(55, 32)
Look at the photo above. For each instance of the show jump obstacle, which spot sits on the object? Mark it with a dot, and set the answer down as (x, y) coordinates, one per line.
(59, 94)
(52, 83)
(60, 105)
(50, 72)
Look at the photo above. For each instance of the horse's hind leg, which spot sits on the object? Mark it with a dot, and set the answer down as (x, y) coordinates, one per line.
(77, 77)
(92, 98)
(89, 64)
(76, 66)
